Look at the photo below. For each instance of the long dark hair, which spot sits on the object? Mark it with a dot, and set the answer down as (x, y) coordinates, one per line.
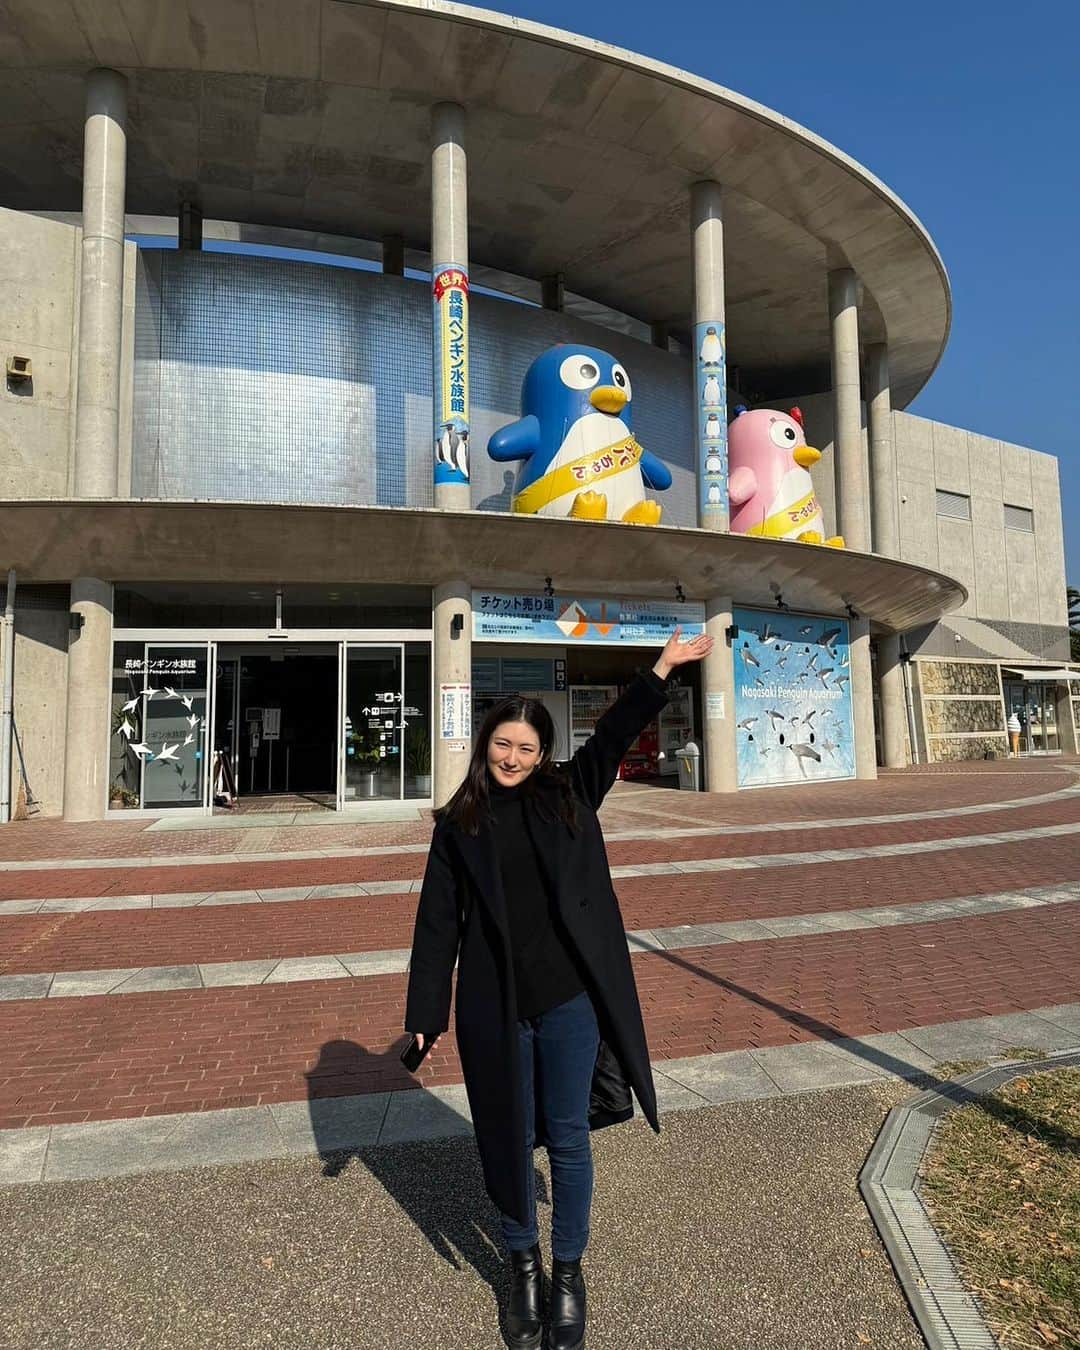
(470, 806)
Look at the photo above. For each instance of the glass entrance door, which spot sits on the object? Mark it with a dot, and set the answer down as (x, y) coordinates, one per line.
(176, 719)
(1035, 704)
(371, 763)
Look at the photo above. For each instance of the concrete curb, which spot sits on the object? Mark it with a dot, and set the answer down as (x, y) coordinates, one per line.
(948, 1315)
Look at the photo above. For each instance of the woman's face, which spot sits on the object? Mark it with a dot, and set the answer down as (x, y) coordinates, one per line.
(513, 752)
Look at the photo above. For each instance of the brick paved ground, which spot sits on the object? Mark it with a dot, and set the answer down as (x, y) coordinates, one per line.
(152, 1053)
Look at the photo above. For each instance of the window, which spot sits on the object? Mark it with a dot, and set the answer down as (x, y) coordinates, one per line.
(1019, 518)
(954, 504)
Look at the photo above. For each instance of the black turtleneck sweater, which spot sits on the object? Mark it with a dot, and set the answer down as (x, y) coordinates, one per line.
(544, 971)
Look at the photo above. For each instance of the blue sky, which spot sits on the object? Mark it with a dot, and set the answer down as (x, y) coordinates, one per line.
(968, 110)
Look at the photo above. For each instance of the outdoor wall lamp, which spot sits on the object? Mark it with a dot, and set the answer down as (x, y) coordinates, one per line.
(457, 626)
(680, 594)
(76, 621)
(852, 612)
(549, 589)
(731, 632)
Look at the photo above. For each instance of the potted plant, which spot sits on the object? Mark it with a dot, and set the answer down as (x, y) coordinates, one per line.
(364, 761)
(418, 757)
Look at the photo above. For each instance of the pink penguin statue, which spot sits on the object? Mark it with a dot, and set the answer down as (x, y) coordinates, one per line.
(770, 488)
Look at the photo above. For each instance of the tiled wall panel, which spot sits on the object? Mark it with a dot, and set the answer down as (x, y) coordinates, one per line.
(261, 379)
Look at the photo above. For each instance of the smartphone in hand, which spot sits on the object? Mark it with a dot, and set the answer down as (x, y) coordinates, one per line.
(412, 1056)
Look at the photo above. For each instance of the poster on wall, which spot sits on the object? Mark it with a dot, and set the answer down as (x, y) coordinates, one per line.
(792, 698)
(450, 397)
(711, 409)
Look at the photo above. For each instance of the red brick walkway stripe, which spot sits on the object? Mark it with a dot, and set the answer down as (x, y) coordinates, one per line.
(105, 939)
(231, 876)
(207, 1049)
(918, 789)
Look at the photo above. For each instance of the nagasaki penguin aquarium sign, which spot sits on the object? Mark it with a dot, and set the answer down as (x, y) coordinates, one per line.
(450, 396)
(793, 711)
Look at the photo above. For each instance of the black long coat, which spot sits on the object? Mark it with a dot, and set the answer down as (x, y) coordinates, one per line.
(462, 915)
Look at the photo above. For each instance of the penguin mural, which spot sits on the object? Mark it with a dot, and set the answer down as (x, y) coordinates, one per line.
(710, 394)
(713, 463)
(575, 438)
(452, 447)
(712, 427)
(770, 487)
(712, 348)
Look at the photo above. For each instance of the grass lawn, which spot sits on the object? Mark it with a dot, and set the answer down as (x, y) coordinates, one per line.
(1002, 1182)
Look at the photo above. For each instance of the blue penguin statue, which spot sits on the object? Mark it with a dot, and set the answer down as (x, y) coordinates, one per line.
(576, 441)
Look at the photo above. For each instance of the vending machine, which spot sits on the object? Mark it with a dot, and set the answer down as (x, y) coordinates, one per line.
(675, 727)
(587, 702)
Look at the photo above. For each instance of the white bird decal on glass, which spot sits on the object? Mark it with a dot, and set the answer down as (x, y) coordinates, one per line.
(168, 751)
(169, 693)
(193, 720)
(142, 750)
(126, 729)
(188, 740)
(148, 694)
(186, 700)
(132, 705)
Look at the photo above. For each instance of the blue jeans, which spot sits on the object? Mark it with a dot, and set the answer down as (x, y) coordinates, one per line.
(558, 1054)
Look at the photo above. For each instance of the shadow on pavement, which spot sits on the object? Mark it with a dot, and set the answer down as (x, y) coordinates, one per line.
(440, 1188)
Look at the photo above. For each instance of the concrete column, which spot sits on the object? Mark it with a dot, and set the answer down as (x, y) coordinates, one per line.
(1067, 737)
(450, 289)
(893, 705)
(710, 354)
(718, 681)
(86, 757)
(393, 255)
(552, 292)
(452, 655)
(189, 227)
(852, 508)
(862, 700)
(97, 419)
(879, 427)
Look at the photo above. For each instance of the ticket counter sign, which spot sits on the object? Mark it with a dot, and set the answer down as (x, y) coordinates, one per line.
(501, 616)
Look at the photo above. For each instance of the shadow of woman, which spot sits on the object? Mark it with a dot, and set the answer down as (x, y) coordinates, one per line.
(427, 1161)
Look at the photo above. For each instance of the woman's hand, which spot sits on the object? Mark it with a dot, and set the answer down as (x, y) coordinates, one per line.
(678, 653)
(421, 1042)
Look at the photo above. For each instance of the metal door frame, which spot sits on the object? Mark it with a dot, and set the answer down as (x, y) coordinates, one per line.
(344, 648)
(209, 648)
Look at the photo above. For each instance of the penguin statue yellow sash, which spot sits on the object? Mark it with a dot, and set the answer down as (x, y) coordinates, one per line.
(578, 476)
(781, 523)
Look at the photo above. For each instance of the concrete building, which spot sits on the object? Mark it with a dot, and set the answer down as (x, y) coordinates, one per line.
(268, 285)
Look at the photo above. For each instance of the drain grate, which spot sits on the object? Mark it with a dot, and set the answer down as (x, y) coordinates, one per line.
(948, 1316)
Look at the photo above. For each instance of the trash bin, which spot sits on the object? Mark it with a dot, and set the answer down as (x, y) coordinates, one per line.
(689, 762)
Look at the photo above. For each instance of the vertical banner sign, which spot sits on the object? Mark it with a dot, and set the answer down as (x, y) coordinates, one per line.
(450, 384)
(793, 713)
(711, 410)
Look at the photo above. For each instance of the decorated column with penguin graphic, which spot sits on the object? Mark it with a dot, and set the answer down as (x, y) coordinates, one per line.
(710, 355)
(450, 307)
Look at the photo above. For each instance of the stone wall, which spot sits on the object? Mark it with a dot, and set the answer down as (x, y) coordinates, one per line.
(962, 710)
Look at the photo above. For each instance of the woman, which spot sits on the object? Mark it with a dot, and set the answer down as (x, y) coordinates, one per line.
(549, 1028)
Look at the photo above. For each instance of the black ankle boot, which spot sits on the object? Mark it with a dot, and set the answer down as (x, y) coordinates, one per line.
(567, 1328)
(523, 1324)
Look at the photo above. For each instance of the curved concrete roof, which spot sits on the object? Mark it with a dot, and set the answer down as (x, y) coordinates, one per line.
(314, 114)
(140, 540)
